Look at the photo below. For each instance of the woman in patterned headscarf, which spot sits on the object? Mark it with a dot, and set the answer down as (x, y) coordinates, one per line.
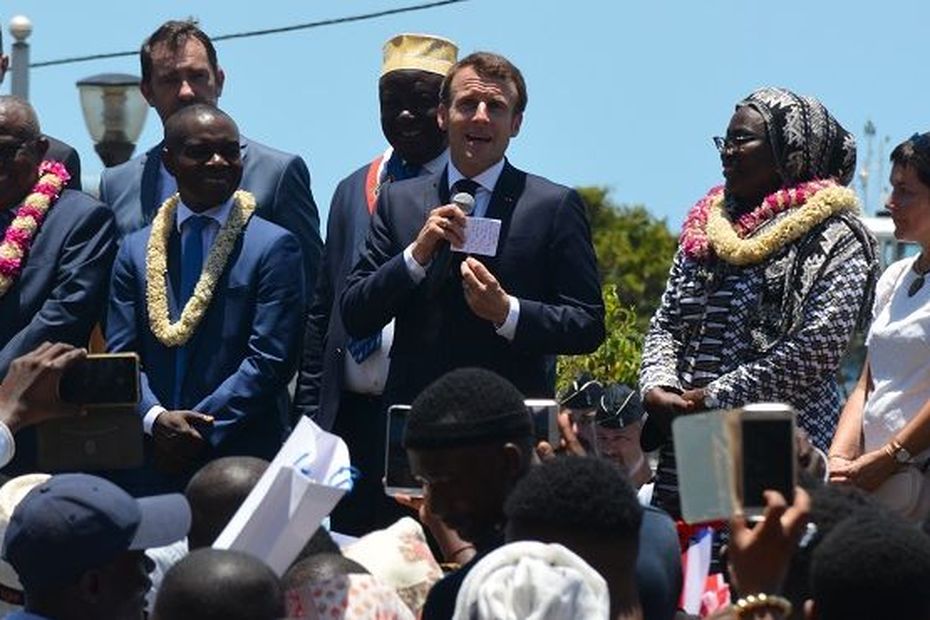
(772, 275)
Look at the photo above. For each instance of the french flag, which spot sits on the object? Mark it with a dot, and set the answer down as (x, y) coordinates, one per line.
(701, 592)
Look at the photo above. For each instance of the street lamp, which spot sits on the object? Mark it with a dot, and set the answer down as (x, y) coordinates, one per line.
(114, 111)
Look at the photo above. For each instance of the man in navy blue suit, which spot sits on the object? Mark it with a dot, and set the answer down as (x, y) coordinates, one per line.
(340, 386)
(180, 67)
(58, 290)
(212, 300)
(537, 296)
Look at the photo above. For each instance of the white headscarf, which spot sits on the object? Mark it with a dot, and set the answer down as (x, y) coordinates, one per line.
(532, 581)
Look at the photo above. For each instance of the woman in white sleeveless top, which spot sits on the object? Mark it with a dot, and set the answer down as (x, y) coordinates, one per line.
(882, 442)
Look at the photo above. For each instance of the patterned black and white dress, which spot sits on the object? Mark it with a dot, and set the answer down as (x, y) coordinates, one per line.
(771, 331)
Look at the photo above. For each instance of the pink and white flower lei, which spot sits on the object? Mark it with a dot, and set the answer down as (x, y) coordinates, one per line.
(693, 239)
(14, 249)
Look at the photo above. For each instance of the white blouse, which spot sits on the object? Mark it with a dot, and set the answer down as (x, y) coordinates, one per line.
(899, 355)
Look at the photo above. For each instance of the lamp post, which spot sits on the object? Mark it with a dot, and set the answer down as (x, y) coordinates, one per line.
(20, 28)
(114, 111)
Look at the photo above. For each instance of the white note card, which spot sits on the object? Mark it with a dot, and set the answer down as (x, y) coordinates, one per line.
(481, 236)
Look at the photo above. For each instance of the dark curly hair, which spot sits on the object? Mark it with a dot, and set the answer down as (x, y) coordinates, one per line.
(582, 493)
(468, 406)
(872, 565)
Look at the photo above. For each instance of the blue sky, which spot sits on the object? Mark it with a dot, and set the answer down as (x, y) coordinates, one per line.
(621, 93)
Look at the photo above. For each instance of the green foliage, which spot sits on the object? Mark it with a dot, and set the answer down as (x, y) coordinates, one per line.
(634, 253)
(634, 250)
(617, 359)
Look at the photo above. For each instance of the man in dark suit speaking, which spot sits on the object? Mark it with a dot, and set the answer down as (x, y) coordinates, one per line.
(511, 311)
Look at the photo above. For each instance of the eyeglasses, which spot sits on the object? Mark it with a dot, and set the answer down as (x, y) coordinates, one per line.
(9, 150)
(734, 142)
(202, 153)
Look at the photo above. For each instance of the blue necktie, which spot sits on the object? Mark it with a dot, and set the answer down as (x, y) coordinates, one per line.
(191, 266)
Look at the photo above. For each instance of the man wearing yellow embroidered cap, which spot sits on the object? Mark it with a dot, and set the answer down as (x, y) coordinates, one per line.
(211, 298)
(342, 379)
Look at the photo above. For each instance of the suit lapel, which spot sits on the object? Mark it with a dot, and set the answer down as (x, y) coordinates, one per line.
(149, 190)
(505, 193)
(504, 198)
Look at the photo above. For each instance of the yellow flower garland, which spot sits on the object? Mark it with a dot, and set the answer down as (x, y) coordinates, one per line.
(156, 266)
(735, 250)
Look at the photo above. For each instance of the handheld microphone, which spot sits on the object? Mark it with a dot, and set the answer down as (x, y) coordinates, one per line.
(465, 202)
(442, 260)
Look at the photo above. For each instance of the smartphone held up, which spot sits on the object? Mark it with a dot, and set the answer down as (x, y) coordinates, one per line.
(726, 460)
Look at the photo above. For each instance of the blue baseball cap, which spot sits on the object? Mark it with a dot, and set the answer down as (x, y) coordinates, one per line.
(76, 522)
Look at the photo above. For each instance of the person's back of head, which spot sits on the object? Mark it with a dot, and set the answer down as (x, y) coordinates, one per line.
(320, 567)
(467, 407)
(873, 565)
(469, 437)
(589, 506)
(831, 504)
(216, 492)
(532, 581)
(218, 584)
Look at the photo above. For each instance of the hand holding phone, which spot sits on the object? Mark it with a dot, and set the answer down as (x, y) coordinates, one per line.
(29, 392)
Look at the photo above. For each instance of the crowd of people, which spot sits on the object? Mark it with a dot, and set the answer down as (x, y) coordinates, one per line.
(450, 281)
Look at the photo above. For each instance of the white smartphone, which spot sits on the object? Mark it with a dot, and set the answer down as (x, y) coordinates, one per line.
(545, 412)
(727, 459)
(768, 455)
(398, 479)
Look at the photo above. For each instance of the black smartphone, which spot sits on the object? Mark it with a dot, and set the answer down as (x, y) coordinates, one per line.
(398, 479)
(545, 413)
(102, 379)
(768, 454)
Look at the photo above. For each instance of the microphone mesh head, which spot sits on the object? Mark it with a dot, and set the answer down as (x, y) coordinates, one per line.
(465, 202)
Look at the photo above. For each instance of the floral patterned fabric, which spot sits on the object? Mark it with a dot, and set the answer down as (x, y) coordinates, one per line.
(399, 557)
(347, 597)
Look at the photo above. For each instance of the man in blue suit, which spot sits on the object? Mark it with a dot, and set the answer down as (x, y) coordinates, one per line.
(212, 300)
(537, 296)
(180, 67)
(339, 386)
(59, 289)
(57, 286)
